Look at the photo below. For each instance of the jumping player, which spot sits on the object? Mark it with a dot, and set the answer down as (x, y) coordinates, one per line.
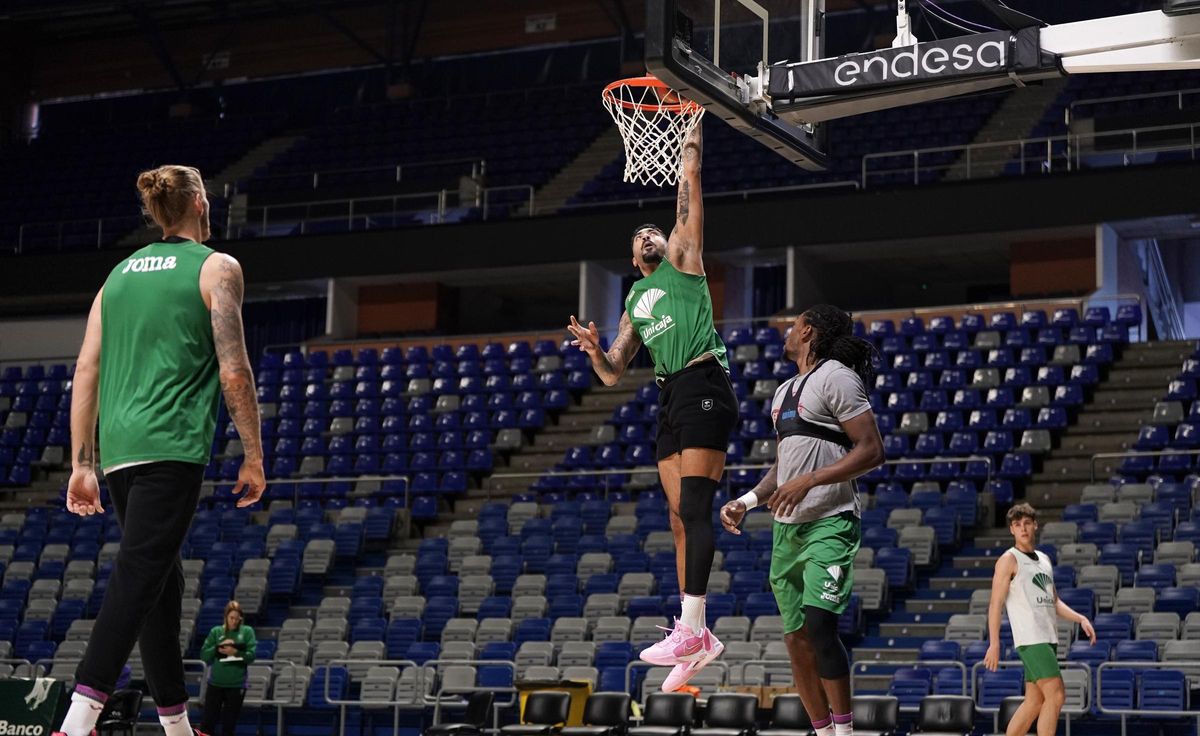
(164, 339)
(1023, 586)
(827, 438)
(670, 311)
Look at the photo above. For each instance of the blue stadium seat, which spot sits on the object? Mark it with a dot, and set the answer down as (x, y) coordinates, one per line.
(1154, 576)
(1163, 690)
(1117, 688)
(911, 685)
(1113, 626)
(1136, 651)
(1182, 601)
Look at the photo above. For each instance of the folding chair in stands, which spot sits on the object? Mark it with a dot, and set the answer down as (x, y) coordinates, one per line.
(474, 720)
(604, 714)
(788, 718)
(666, 714)
(946, 715)
(1008, 709)
(544, 713)
(875, 715)
(120, 714)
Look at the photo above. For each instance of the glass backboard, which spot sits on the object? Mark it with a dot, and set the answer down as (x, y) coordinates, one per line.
(715, 52)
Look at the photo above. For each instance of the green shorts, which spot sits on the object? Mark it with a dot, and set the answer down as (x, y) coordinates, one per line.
(1040, 660)
(812, 564)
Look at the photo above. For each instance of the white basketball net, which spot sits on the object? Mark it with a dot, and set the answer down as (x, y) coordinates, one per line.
(654, 122)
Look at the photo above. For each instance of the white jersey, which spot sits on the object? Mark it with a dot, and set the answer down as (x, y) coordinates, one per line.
(1030, 603)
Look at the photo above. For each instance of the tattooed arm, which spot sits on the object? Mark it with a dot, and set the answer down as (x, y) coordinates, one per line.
(611, 364)
(686, 244)
(83, 489)
(222, 287)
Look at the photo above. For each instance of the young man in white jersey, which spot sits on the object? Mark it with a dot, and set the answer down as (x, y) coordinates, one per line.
(1024, 587)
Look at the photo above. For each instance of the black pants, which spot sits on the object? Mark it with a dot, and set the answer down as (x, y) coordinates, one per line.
(222, 704)
(155, 504)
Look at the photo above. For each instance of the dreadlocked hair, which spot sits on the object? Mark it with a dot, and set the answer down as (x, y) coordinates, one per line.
(836, 341)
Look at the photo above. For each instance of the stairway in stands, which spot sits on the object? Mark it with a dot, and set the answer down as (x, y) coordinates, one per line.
(573, 427)
(1108, 422)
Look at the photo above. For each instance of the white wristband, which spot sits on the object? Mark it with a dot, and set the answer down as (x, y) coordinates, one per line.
(750, 500)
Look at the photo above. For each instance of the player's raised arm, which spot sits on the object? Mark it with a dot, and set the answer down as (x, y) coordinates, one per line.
(686, 244)
(609, 365)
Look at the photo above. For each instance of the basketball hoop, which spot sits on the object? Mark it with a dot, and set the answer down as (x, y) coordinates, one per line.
(654, 121)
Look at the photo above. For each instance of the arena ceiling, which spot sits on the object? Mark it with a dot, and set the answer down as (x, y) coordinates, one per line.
(78, 19)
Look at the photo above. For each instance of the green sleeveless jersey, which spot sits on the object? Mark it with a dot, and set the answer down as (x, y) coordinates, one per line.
(672, 313)
(159, 385)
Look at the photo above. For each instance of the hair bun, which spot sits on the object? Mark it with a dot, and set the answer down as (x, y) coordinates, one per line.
(153, 183)
(168, 191)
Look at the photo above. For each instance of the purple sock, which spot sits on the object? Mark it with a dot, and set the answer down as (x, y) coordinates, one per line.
(91, 694)
(844, 718)
(823, 723)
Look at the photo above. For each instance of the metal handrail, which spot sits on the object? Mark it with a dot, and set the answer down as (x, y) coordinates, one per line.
(440, 202)
(650, 470)
(1133, 453)
(99, 222)
(487, 192)
(214, 484)
(744, 194)
(1072, 140)
(511, 702)
(1158, 284)
(477, 99)
(287, 666)
(1123, 712)
(968, 686)
(1069, 113)
(1024, 306)
(215, 120)
(430, 667)
(977, 668)
(781, 319)
(290, 667)
(478, 168)
(395, 703)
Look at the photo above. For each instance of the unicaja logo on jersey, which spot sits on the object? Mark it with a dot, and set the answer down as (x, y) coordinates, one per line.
(1044, 583)
(645, 305)
(644, 309)
(831, 592)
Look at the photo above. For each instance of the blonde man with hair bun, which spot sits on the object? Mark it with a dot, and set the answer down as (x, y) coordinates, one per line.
(164, 341)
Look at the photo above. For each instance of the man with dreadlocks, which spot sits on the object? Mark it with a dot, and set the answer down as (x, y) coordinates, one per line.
(827, 438)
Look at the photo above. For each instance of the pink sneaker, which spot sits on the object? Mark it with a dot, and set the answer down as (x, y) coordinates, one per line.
(664, 654)
(697, 650)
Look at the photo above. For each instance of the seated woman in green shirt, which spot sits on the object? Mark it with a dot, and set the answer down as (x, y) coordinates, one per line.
(228, 649)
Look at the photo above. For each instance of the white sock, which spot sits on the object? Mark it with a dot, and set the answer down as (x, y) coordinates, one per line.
(692, 615)
(177, 724)
(843, 725)
(81, 716)
(823, 726)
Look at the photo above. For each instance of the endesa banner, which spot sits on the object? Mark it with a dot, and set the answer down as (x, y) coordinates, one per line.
(982, 54)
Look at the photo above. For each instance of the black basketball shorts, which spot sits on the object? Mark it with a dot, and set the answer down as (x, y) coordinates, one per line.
(696, 408)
